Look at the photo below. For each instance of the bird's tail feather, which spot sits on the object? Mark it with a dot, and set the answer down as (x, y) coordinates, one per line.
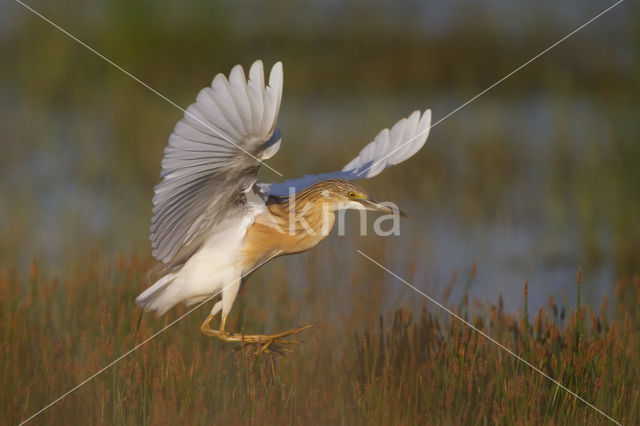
(151, 299)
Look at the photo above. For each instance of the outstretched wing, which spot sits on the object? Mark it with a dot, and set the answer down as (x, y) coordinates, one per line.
(213, 156)
(389, 148)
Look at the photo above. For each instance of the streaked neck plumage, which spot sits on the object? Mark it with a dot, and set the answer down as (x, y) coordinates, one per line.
(291, 225)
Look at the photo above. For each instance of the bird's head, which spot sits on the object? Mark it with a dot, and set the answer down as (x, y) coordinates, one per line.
(342, 194)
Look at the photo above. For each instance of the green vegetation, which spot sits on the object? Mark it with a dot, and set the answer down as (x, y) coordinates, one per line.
(396, 369)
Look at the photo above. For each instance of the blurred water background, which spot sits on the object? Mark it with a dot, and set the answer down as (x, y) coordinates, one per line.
(535, 178)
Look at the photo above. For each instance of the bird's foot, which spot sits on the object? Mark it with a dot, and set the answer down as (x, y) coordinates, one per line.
(278, 344)
(262, 343)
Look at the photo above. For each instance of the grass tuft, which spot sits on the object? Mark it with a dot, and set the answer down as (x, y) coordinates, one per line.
(404, 368)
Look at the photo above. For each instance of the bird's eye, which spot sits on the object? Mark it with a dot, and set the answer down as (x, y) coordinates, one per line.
(351, 194)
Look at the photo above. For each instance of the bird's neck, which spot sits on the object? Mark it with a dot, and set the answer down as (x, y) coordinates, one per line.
(288, 227)
(305, 220)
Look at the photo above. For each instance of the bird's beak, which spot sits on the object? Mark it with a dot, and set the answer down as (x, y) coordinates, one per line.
(372, 204)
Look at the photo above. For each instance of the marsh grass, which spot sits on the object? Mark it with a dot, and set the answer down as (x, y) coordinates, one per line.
(401, 369)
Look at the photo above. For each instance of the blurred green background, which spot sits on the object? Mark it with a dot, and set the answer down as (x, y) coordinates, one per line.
(535, 178)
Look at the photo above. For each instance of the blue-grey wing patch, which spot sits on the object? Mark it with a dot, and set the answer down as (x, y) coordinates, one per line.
(389, 148)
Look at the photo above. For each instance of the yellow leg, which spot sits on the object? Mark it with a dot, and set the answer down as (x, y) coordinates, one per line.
(265, 341)
(223, 321)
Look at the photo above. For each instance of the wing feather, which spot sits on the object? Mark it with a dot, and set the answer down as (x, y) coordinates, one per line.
(212, 157)
(256, 91)
(238, 89)
(273, 96)
(389, 147)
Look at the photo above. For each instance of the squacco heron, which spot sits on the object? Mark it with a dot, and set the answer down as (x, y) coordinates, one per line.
(213, 224)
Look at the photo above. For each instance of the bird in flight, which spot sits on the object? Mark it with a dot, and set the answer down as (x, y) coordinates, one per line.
(213, 224)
